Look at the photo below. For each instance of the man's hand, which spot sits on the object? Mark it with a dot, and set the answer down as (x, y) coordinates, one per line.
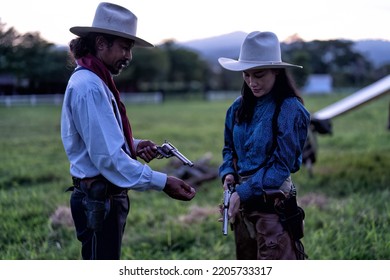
(178, 189)
(146, 150)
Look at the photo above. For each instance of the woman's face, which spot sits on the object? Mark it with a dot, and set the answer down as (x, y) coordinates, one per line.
(260, 81)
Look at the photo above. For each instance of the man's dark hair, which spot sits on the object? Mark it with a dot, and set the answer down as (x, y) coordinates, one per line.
(82, 46)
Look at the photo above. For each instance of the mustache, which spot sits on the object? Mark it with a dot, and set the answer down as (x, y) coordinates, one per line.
(125, 63)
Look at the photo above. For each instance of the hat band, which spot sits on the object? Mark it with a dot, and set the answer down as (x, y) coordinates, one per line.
(260, 62)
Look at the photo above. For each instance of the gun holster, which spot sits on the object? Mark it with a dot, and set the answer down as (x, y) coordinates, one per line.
(96, 202)
(291, 216)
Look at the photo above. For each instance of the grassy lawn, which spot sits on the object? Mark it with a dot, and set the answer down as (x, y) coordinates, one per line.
(346, 200)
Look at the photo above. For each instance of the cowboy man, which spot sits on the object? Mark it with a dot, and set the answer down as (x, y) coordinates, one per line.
(97, 136)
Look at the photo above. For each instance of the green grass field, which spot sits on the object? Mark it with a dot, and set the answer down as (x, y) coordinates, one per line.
(346, 201)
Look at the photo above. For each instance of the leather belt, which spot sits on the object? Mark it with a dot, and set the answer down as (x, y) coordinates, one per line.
(111, 188)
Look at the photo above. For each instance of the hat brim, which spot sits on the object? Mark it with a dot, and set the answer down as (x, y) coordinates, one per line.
(236, 65)
(84, 30)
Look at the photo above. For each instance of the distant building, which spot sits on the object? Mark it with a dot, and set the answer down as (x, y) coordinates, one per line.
(8, 84)
(318, 84)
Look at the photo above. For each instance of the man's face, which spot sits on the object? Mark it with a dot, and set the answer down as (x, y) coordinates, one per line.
(117, 55)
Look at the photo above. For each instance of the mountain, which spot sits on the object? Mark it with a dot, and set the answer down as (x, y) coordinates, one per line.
(212, 48)
(376, 51)
(228, 45)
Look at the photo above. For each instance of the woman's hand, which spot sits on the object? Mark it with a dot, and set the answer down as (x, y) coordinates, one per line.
(229, 180)
(234, 203)
(234, 206)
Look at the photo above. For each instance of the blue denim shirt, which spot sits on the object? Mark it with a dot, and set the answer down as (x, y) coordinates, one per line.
(250, 143)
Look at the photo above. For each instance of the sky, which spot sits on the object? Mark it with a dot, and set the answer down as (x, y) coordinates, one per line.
(186, 20)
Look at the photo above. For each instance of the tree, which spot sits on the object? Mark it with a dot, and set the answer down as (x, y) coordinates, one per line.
(7, 39)
(147, 70)
(38, 65)
(187, 71)
(336, 57)
(164, 68)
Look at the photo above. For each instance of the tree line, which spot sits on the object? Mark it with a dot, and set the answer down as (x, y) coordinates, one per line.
(30, 64)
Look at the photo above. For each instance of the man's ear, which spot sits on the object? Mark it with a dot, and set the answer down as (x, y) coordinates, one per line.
(101, 43)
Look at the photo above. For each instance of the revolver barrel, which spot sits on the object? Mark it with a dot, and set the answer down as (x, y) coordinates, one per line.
(168, 150)
(180, 156)
(226, 199)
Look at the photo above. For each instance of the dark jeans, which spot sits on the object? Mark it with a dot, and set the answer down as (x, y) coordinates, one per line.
(105, 244)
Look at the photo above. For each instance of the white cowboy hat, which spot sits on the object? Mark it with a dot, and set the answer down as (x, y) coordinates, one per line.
(259, 50)
(114, 20)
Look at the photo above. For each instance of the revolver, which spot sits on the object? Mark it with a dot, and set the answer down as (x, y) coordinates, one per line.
(167, 150)
(226, 199)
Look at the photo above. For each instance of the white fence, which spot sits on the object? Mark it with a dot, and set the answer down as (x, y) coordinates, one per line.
(135, 98)
(32, 100)
(222, 95)
(56, 99)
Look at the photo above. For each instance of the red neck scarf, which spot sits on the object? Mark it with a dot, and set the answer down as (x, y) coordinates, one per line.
(96, 66)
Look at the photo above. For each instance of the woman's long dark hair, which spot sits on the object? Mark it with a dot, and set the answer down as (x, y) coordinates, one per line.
(284, 87)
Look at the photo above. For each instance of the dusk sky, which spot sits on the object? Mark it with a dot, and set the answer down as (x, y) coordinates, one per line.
(185, 20)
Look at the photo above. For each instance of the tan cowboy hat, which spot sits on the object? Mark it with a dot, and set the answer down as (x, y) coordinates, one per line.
(259, 50)
(114, 20)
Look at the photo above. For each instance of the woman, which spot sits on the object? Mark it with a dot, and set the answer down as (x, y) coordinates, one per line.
(265, 131)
